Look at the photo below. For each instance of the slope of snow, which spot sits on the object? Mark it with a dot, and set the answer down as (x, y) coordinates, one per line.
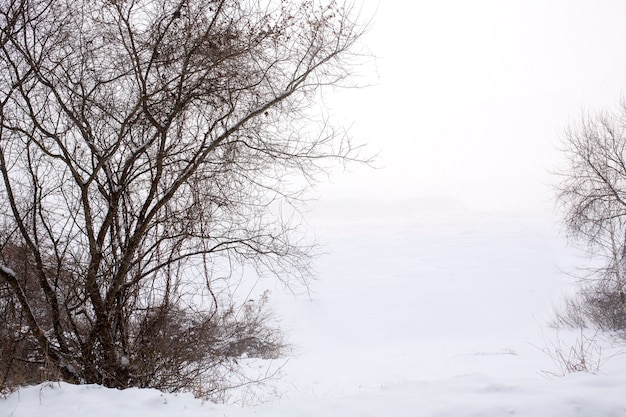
(436, 311)
(464, 395)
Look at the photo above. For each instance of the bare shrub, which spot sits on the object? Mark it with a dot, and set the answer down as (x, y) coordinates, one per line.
(593, 306)
(584, 354)
(172, 348)
(571, 313)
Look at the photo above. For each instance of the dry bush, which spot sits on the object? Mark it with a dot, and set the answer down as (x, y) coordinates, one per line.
(584, 354)
(593, 306)
(173, 348)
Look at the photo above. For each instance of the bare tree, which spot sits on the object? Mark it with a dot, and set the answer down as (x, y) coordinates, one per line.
(145, 149)
(593, 196)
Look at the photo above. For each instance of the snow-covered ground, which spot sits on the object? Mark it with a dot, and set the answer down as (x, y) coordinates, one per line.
(419, 309)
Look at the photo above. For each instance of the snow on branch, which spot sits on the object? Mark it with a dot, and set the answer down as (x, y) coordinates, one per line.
(7, 271)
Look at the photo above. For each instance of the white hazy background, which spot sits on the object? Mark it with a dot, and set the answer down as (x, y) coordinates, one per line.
(469, 98)
(449, 259)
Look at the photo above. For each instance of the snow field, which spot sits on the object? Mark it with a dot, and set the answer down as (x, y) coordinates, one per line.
(439, 312)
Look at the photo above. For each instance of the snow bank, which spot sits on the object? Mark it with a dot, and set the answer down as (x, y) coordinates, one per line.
(468, 395)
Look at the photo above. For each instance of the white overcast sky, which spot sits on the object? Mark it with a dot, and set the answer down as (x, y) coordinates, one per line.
(472, 95)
